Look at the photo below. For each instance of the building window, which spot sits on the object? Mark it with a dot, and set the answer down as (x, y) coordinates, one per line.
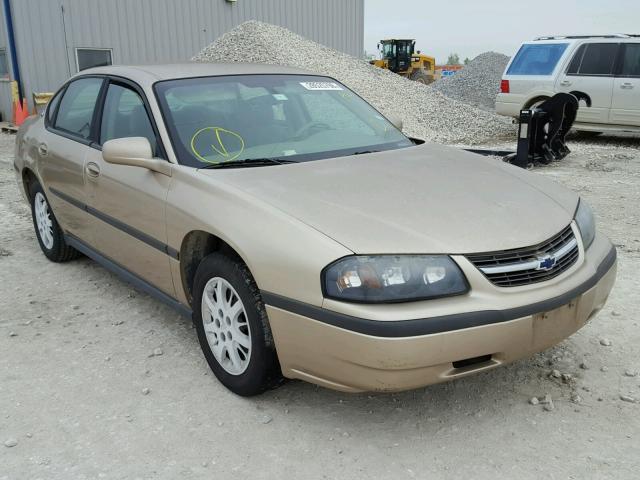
(93, 57)
(4, 64)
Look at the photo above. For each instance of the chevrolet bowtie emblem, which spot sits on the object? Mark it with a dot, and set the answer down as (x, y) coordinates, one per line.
(546, 263)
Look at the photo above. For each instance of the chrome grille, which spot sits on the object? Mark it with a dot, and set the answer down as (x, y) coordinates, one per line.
(523, 266)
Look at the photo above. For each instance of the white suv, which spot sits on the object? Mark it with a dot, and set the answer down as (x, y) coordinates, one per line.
(605, 68)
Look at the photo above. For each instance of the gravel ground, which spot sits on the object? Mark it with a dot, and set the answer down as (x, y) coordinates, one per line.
(478, 82)
(426, 113)
(98, 380)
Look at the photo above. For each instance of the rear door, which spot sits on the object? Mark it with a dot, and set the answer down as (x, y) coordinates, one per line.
(62, 153)
(591, 71)
(129, 201)
(625, 108)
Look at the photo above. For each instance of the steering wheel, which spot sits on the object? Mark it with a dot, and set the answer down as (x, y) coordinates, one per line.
(306, 129)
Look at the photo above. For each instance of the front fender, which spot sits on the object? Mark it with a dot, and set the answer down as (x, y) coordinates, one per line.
(285, 255)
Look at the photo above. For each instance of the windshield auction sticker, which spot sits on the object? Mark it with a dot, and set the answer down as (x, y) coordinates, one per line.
(321, 86)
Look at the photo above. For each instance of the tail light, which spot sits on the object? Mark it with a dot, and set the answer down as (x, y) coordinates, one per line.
(504, 86)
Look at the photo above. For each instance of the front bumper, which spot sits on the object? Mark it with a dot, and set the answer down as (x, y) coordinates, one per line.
(354, 354)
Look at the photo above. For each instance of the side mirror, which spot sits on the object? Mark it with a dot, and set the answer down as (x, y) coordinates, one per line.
(396, 121)
(378, 46)
(135, 152)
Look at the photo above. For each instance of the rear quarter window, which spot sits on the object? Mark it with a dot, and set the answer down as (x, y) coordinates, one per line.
(537, 59)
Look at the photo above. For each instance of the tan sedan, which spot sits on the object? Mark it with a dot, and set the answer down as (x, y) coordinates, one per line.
(304, 233)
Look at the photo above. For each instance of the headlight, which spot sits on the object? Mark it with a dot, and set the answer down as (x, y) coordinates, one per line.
(586, 223)
(393, 278)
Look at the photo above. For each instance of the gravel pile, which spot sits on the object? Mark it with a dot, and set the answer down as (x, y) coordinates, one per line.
(427, 114)
(478, 82)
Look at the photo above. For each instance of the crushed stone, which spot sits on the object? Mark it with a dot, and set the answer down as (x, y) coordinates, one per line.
(426, 113)
(478, 82)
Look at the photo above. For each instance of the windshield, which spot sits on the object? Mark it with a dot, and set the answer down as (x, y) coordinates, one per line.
(537, 59)
(213, 120)
(388, 50)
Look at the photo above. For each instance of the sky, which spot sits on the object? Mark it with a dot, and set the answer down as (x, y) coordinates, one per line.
(471, 27)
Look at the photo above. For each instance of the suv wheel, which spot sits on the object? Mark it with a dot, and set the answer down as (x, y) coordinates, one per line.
(49, 234)
(232, 326)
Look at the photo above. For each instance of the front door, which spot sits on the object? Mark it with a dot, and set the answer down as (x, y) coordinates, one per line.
(591, 71)
(129, 201)
(63, 150)
(625, 108)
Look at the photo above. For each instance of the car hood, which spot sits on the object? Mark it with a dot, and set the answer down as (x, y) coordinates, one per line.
(423, 199)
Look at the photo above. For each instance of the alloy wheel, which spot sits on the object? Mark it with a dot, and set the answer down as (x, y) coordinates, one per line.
(226, 327)
(43, 220)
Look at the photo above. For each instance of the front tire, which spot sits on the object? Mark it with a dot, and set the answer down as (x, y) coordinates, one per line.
(48, 231)
(233, 327)
(421, 77)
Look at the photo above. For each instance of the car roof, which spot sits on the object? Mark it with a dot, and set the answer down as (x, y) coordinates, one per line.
(149, 74)
(614, 38)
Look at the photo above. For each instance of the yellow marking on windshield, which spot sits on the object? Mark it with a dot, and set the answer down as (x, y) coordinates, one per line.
(219, 145)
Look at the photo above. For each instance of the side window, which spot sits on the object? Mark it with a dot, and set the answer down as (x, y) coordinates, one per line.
(574, 66)
(124, 115)
(77, 105)
(93, 57)
(598, 59)
(631, 60)
(51, 107)
(4, 65)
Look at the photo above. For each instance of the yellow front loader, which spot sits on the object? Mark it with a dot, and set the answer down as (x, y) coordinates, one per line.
(399, 57)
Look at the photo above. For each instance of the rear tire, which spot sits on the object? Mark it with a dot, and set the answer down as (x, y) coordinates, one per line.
(536, 103)
(232, 326)
(48, 231)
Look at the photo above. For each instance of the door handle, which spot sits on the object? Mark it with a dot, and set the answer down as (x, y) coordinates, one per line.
(627, 85)
(92, 169)
(565, 83)
(43, 150)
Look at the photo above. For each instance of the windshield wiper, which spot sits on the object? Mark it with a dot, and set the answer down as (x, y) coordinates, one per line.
(249, 162)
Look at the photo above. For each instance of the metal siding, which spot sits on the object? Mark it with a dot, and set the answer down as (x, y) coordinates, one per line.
(40, 48)
(159, 31)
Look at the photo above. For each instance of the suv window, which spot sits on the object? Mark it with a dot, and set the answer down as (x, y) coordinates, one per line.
(574, 66)
(75, 113)
(124, 115)
(631, 60)
(537, 59)
(597, 59)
